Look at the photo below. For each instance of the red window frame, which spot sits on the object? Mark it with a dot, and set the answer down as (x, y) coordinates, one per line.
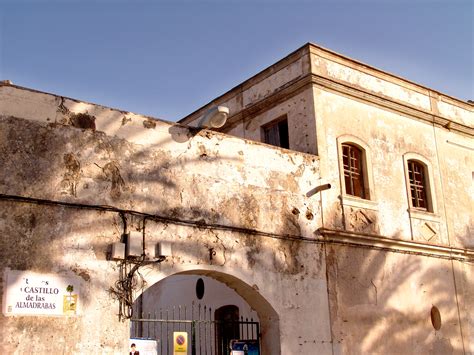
(353, 170)
(417, 179)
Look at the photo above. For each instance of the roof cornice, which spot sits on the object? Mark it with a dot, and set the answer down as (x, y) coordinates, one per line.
(394, 245)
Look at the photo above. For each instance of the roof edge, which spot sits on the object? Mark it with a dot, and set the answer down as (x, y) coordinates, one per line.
(313, 45)
(309, 46)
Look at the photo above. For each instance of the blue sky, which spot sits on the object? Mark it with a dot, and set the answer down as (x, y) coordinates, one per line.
(168, 58)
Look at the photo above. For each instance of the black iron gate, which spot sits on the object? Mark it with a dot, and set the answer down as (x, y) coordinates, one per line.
(206, 335)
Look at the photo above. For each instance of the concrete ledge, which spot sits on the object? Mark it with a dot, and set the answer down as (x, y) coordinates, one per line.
(395, 245)
(299, 84)
(391, 104)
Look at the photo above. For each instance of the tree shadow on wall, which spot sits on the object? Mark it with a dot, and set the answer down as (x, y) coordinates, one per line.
(381, 302)
(68, 164)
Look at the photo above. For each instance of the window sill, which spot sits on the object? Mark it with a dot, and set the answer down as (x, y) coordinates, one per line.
(425, 215)
(348, 200)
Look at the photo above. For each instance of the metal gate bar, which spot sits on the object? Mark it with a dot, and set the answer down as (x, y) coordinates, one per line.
(202, 329)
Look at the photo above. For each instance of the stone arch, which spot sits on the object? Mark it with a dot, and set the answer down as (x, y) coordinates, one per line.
(269, 319)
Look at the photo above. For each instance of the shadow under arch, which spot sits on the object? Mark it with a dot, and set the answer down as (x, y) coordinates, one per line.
(269, 319)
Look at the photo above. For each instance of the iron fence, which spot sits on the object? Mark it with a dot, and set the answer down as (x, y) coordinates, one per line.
(206, 335)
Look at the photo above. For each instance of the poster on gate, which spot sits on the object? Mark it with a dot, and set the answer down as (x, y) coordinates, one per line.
(245, 347)
(145, 346)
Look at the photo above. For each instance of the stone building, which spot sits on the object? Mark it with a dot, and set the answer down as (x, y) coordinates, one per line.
(379, 262)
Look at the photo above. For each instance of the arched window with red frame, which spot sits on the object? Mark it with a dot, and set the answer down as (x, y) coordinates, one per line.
(417, 180)
(352, 161)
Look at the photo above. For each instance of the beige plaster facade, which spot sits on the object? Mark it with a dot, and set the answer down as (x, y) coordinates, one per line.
(328, 100)
(198, 189)
(327, 273)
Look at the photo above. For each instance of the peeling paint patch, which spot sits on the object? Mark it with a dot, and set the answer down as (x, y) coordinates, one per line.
(71, 176)
(150, 124)
(82, 120)
(82, 273)
(362, 220)
(202, 151)
(112, 173)
(286, 257)
(125, 120)
(295, 211)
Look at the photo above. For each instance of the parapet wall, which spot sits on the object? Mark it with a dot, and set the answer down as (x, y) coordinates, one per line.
(70, 169)
(164, 159)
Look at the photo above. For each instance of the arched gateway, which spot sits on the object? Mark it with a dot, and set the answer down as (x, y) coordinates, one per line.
(212, 308)
(137, 196)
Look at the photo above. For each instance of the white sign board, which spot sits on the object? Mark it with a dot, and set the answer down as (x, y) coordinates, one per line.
(31, 293)
(145, 347)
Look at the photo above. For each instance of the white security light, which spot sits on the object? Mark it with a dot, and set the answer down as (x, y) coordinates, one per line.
(215, 117)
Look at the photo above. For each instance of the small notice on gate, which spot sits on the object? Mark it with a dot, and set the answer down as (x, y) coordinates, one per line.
(180, 341)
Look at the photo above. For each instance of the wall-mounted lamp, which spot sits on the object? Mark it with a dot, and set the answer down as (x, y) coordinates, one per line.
(318, 189)
(215, 117)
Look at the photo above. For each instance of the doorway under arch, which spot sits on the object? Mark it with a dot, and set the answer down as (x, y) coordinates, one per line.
(199, 303)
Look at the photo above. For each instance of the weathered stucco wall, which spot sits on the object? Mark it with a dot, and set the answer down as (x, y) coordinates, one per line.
(388, 115)
(298, 110)
(260, 88)
(388, 138)
(456, 160)
(334, 67)
(380, 301)
(362, 77)
(384, 271)
(63, 150)
(464, 281)
(61, 241)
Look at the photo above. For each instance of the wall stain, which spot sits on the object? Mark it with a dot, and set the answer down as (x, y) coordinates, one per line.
(112, 174)
(82, 120)
(82, 273)
(149, 124)
(362, 220)
(125, 120)
(71, 176)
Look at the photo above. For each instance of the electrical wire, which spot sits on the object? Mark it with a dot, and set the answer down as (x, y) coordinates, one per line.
(213, 226)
